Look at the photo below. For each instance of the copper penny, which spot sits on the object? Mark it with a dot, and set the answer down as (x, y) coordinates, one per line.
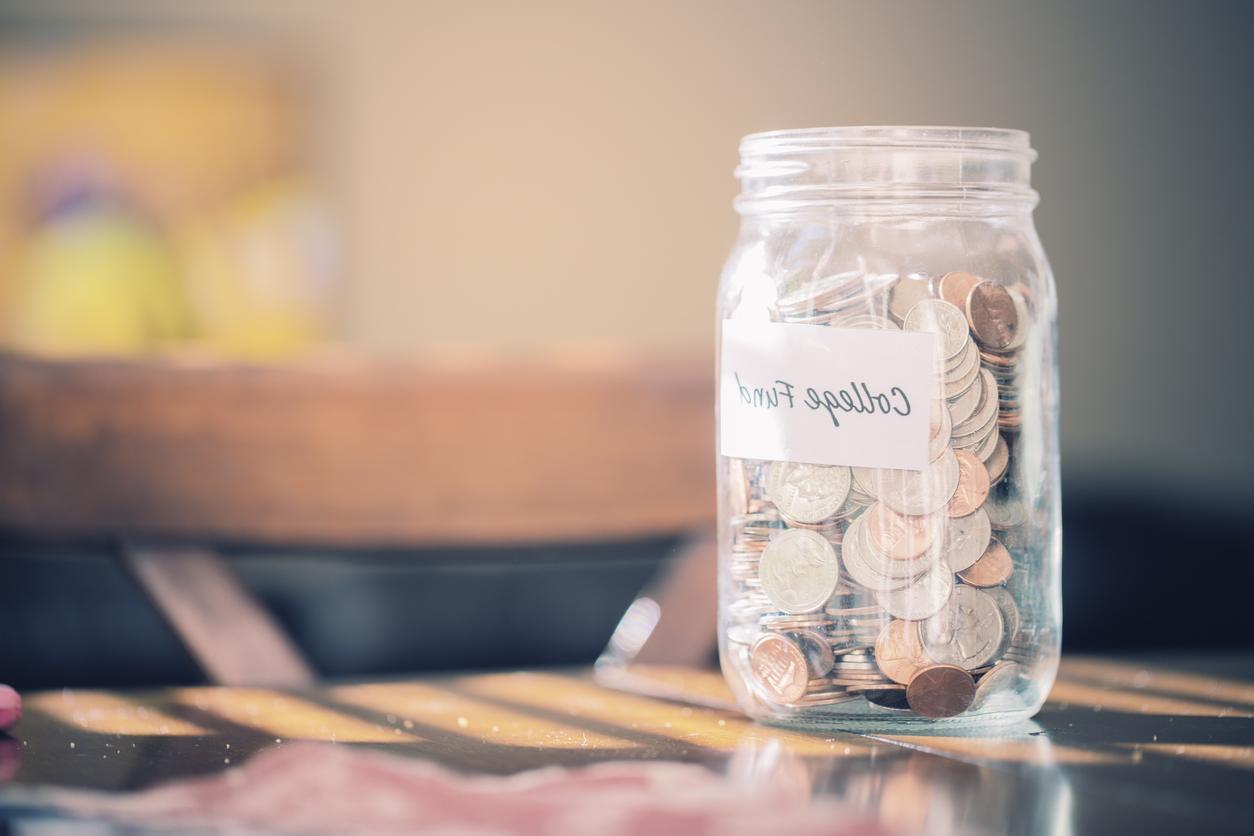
(973, 484)
(956, 287)
(779, 668)
(898, 536)
(940, 691)
(899, 651)
(992, 314)
(992, 569)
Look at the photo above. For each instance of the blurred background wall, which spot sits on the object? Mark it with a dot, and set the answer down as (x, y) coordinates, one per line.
(511, 174)
(405, 175)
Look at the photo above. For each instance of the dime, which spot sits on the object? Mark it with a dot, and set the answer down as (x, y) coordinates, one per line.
(898, 536)
(799, 571)
(940, 691)
(916, 492)
(985, 412)
(921, 599)
(963, 406)
(899, 651)
(992, 569)
(986, 450)
(992, 314)
(955, 287)
(965, 539)
(972, 487)
(779, 668)
(817, 651)
(908, 292)
(1003, 677)
(968, 631)
(956, 386)
(809, 493)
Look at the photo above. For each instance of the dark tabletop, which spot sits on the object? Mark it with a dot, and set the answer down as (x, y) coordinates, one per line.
(1140, 746)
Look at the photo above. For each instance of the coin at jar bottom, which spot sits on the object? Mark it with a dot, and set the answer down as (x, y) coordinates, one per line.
(967, 632)
(779, 668)
(940, 691)
(1001, 677)
(818, 652)
(891, 699)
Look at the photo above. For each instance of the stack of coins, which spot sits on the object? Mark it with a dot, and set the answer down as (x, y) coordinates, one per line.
(890, 586)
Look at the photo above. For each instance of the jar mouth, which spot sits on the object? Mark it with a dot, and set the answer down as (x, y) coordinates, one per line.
(887, 168)
(809, 140)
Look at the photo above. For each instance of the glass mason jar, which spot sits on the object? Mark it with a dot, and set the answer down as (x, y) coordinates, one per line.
(889, 516)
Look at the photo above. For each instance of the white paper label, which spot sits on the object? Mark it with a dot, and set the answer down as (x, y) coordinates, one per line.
(824, 395)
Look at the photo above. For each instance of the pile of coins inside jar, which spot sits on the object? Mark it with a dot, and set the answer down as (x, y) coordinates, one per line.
(891, 586)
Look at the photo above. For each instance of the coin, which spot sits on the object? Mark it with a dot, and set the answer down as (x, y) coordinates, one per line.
(967, 631)
(964, 539)
(986, 450)
(1003, 677)
(779, 668)
(799, 571)
(1005, 601)
(940, 691)
(955, 287)
(908, 292)
(817, 651)
(899, 651)
(898, 536)
(992, 569)
(858, 562)
(972, 487)
(923, 598)
(939, 429)
(992, 314)
(947, 322)
(919, 492)
(985, 411)
(808, 493)
(963, 406)
(1005, 510)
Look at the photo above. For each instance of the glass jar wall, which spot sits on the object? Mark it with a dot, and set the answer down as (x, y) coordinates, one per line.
(890, 537)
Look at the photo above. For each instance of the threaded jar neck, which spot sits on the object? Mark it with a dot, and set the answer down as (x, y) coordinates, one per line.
(886, 169)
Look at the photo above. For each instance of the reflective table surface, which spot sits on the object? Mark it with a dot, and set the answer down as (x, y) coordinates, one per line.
(1163, 744)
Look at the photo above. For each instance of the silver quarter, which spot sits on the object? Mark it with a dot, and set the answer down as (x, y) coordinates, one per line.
(799, 571)
(968, 631)
(964, 539)
(808, 493)
(936, 316)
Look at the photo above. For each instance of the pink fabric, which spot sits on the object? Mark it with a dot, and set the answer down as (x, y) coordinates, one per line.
(10, 708)
(323, 788)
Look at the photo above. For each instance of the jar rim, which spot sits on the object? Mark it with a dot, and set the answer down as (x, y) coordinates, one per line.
(924, 137)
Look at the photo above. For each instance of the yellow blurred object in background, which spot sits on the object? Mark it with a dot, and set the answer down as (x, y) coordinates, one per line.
(262, 272)
(96, 281)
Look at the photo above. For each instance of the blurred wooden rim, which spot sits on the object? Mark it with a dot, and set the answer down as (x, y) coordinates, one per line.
(344, 450)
